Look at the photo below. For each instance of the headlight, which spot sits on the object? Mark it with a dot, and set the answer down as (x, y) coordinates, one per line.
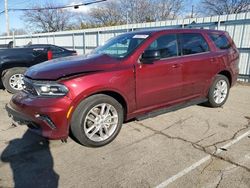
(50, 89)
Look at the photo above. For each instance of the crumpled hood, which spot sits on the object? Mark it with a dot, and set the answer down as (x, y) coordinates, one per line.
(73, 65)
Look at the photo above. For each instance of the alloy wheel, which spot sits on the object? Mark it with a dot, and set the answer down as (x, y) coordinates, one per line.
(16, 81)
(101, 122)
(220, 91)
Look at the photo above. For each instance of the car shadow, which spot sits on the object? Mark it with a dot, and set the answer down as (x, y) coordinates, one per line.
(31, 161)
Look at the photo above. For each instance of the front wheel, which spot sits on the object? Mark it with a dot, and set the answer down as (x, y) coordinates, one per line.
(13, 79)
(218, 92)
(97, 120)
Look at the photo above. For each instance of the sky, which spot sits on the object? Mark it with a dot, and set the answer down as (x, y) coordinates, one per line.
(15, 17)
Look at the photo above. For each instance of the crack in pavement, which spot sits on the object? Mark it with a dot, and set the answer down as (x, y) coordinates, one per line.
(233, 137)
(11, 127)
(202, 139)
(220, 180)
(222, 174)
(179, 122)
(211, 161)
(208, 127)
(133, 128)
(200, 147)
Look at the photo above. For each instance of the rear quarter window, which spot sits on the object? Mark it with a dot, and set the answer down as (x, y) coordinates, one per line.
(220, 41)
(55, 49)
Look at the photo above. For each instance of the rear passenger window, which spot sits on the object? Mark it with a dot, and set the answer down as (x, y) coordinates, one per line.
(221, 41)
(193, 43)
(166, 44)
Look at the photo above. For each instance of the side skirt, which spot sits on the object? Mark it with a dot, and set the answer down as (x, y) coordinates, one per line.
(171, 108)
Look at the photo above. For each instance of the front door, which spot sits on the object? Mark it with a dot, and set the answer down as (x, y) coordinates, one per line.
(160, 82)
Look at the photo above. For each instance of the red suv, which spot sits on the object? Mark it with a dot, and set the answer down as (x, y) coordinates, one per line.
(132, 75)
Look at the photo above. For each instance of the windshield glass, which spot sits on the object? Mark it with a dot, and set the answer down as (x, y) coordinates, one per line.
(121, 46)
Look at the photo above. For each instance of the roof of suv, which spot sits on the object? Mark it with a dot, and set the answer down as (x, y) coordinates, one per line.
(158, 30)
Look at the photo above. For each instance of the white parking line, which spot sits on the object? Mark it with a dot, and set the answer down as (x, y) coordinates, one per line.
(200, 162)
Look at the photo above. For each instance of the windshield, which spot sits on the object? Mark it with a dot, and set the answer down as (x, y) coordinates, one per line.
(121, 46)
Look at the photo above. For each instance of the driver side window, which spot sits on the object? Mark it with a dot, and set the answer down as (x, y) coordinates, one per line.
(166, 44)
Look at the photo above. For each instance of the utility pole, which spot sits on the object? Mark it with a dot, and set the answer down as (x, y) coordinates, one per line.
(6, 17)
(192, 12)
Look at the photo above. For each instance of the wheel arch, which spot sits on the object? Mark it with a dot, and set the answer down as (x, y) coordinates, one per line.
(117, 96)
(6, 68)
(227, 74)
(112, 93)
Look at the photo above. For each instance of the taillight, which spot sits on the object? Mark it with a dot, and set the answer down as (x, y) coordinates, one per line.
(75, 53)
(50, 55)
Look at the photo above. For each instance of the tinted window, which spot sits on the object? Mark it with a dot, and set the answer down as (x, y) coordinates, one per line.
(167, 45)
(38, 51)
(55, 49)
(221, 41)
(193, 43)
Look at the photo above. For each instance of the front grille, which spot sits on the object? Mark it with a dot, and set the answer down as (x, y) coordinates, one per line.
(28, 87)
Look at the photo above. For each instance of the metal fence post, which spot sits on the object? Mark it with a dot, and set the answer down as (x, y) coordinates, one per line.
(73, 41)
(97, 39)
(54, 39)
(13, 39)
(84, 43)
(218, 26)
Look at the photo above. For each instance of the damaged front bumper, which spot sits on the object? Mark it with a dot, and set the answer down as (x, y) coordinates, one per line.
(48, 116)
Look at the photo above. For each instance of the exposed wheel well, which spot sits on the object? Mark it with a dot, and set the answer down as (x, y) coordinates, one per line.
(228, 75)
(119, 98)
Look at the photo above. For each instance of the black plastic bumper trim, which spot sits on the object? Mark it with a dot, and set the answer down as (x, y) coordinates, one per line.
(17, 116)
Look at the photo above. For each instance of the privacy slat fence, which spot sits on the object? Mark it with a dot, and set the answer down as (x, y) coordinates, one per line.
(238, 26)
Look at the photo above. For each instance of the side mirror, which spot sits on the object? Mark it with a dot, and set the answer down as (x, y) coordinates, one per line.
(149, 56)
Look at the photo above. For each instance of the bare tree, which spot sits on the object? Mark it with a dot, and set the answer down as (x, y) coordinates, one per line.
(48, 20)
(167, 9)
(18, 31)
(108, 14)
(83, 21)
(135, 11)
(219, 7)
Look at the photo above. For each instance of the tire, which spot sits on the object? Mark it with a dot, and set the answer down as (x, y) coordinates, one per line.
(87, 120)
(221, 86)
(8, 79)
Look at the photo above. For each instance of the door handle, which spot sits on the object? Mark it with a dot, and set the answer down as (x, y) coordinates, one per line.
(176, 65)
(212, 60)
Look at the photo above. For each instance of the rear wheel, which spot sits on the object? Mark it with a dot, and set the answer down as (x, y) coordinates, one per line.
(97, 120)
(218, 92)
(13, 79)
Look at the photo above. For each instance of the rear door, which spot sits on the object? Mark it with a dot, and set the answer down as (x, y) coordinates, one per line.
(40, 55)
(160, 82)
(198, 64)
